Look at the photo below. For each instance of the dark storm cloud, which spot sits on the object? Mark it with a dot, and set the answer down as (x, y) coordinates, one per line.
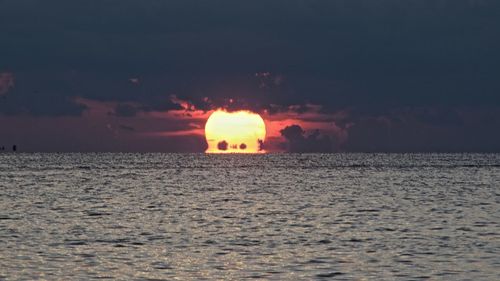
(297, 141)
(446, 129)
(338, 53)
(39, 96)
(131, 110)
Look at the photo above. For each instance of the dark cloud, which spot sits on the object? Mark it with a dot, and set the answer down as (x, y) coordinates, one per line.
(336, 53)
(131, 109)
(297, 141)
(40, 96)
(426, 130)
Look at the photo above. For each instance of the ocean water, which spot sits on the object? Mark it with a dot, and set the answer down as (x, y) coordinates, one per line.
(235, 217)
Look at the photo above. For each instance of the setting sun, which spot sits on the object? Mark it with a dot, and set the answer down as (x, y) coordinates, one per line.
(235, 132)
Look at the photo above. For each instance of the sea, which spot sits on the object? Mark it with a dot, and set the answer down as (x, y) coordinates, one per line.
(94, 216)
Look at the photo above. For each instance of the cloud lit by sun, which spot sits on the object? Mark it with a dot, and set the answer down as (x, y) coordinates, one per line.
(235, 132)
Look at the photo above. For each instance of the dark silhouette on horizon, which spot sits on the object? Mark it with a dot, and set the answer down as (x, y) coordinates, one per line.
(14, 148)
(222, 145)
(261, 144)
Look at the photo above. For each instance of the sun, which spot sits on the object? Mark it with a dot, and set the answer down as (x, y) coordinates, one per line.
(235, 132)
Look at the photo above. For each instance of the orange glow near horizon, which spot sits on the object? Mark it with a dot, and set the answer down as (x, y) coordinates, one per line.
(234, 132)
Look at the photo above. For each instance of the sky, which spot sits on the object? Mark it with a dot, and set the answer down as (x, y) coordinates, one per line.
(326, 76)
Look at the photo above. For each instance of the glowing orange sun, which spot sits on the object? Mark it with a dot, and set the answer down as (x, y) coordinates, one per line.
(235, 132)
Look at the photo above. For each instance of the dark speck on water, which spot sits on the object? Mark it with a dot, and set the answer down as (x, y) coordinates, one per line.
(235, 217)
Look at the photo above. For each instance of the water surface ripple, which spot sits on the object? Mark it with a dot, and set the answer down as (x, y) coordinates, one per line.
(235, 217)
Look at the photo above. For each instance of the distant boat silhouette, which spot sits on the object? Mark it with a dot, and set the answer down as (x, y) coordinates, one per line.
(14, 148)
